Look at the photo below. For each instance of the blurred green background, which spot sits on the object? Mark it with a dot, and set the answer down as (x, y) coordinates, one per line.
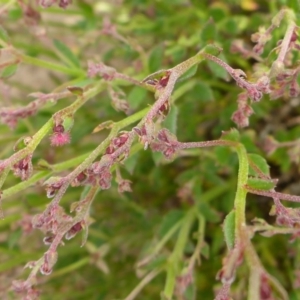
(149, 35)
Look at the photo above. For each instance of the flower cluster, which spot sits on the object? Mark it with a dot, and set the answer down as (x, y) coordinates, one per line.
(167, 143)
(61, 3)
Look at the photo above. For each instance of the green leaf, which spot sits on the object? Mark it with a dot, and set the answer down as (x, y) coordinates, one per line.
(86, 9)
(155, 58)
(169, 221)
(205, 250)
(209, 213)
(43, 164)
(231, 135)
(68, 122)
(3, 34)
(171, 120)
(199, 4)
(67, 54)
(260, 184)
(223, 155)
(76, 90)
(204, 91)
(229, 229)
(209, 33)
(136, 97)
(14, 238)
(217, 13)
(258, 164)
(189, 73)
(104, 125)
(190, 292)
(9, 71)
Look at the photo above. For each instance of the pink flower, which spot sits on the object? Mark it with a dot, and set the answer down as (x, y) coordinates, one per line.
(59, 136)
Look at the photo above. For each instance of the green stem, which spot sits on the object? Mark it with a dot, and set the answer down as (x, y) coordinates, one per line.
(72, 162)
(24, 184)
(173, 267)
(200, 242)
(49, 65)
(151, 275)
(241, 193)
(36, 139)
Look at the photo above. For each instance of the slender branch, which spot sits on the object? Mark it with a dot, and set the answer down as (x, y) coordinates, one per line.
(273, 194)
(240, 197)
(151, 275)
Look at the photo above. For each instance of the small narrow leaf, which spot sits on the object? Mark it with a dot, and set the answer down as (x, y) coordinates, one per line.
(155, 59)
(208, 32)
(171, 120)
(169, 220)
(9, 71)
(43, 164)
(258, 165)
(189, 73)
(260, 184)
(105, 125)
(205, 250)
(231, 135)
(68, 123)
(85, 233)
(136, 97)
(209, 213)
(67, 54)
(76, 90)
(229, 229)
(3, 34)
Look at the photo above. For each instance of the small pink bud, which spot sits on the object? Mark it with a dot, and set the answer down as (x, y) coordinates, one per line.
(23, 168)
(265, 288)
(52, 185)
(109, 150)
(164, 108)
(73, 231)
(240, 119)
(124, 186)
(164, 80)
(294, 88)
(169, 152)
(64, 3)
(45, 269)
(79, 180)
(20, 286)
(50, 259)
(120, 140)
(258, 49)
(48, 240)
(105, 179)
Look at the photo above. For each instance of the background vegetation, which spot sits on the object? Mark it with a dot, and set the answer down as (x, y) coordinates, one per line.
(52, 48)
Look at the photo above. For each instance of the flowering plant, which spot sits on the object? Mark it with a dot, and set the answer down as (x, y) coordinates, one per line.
(119, 189)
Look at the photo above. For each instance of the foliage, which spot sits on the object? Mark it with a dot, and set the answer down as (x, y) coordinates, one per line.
(123, 93)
